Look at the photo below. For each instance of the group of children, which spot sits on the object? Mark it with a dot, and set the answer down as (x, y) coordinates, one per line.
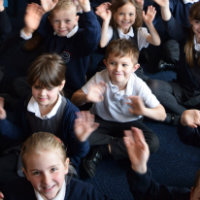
(70, 33)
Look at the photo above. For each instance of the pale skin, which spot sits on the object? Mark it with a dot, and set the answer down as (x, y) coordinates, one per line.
(165, 11)
(137, 148)
(34, 13)
(191, 118)
(1, 6)
(104, 12)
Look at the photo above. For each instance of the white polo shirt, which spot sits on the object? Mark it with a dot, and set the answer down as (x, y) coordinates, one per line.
(114, 107)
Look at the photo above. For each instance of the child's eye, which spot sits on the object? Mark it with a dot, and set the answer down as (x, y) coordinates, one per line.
(67, 21)
(112, 63)
(56, 21)
(37, 87)
(124, 65)
(53, 169)
(131, 14)
(121, 14)
(35, 173)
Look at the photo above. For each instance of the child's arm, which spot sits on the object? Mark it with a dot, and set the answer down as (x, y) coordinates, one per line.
(148, 18)
(85, 5)
(84, 125)
(140, 3)
(94, 95)
(1, 196)
(138, 108)
(191, 118)
(48, 5)
(164, 7)
(2, 110)
(104, 12)
(32, 18)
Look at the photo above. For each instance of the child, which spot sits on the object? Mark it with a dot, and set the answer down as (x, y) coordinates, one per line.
(120, 100)
(123, 19)
(184, 92)
(47, 110)
(63, 36)
(46, 166)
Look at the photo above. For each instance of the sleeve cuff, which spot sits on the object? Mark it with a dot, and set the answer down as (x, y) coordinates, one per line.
(24, 36)
(190, 1)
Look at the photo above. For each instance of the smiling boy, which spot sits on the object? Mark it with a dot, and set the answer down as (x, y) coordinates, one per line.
(120, 99)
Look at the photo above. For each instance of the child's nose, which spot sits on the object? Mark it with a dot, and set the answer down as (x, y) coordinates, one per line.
(43, 92)
(61, 24)
(46, 179)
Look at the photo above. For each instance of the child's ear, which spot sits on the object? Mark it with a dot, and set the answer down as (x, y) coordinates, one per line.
(66, 164)
(105, 62)
(136, 66)
(77, 18)
(62, 85)
(25, 172)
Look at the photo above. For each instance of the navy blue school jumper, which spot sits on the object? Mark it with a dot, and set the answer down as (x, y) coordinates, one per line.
(20, 129)
(143, 187)
(76, 49)
(21, 189)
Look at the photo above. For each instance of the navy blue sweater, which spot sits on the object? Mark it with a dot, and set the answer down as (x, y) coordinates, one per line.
(19, 130)
(76, 49)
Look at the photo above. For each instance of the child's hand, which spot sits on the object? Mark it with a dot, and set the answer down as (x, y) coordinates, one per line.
(32, 18)
(1, 6)
(162, 3)
(103, 11)
(84, 125)
(48, 5)
(2, 110)
(85, 5)
(191, 118)
(137, 149)
(96, 92)
(137, 105)
(1, 196)
(149, 16)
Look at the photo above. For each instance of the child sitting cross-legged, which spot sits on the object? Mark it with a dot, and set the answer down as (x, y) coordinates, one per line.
(120, 99)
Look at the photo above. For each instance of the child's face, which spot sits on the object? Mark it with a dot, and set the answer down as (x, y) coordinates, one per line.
(63, 21)
(196, 28)
(125, 17)
(46, 171)
(120, 69)
(46, 96)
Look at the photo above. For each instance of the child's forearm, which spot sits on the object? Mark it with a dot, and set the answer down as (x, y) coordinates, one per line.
(158, 113)
(104, 33)
(154, 37)
(165, 13)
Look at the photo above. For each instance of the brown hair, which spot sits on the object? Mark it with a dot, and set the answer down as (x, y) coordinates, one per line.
(194, 14)
(42, 141)
(119, 3)
(63, 4)
(48, 70)
(122, 47)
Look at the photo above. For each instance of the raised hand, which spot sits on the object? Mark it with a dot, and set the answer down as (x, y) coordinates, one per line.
(96, 92)
(137, 106)
(84, 4)
(191, 118)
(32, 18)
(137, 148)
(84, 125)
(48, 5)
(2, 110)
(150, 15)
(103, 11)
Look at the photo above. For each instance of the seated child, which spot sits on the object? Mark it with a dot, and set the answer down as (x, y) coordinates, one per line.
(63, 36)
(48, 110)
(120, 99)
(189, 127)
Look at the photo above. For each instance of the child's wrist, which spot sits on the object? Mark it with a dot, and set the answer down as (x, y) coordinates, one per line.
(28, 31)
(2, 8)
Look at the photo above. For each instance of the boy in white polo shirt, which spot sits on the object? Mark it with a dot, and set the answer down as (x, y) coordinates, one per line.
(120, 99)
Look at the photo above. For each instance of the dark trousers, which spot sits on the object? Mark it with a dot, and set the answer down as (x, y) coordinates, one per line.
(112, 133)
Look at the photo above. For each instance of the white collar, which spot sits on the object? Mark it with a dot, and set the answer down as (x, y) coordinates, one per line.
(60, 195)
(71, 33)
(129, 34)
(196, 45)
(34, 108)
